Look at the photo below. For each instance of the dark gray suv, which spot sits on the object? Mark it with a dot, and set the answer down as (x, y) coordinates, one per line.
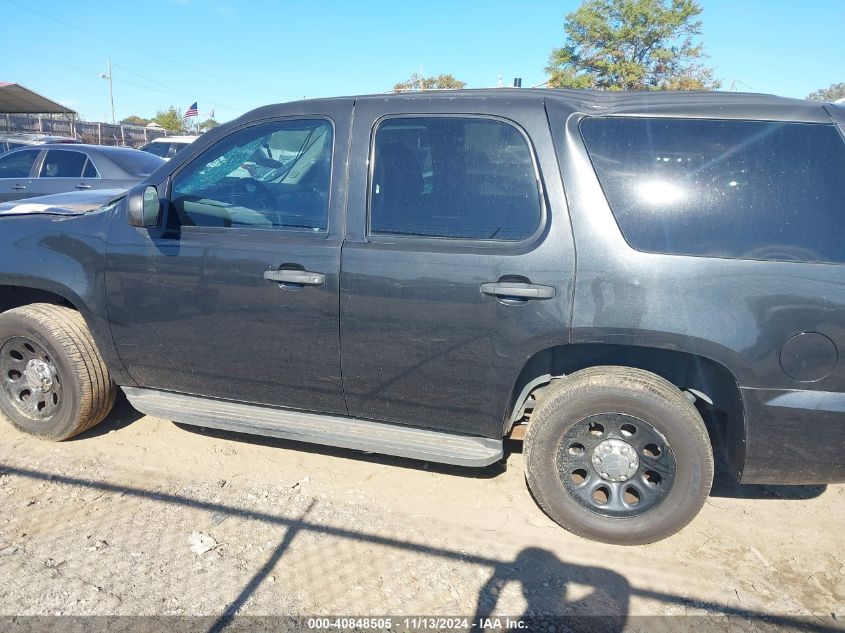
(597, 273)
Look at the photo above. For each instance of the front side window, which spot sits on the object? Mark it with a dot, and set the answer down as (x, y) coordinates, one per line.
(270, 176)
(723, 188)
(18, 164)
(61, 163)
(453, 177)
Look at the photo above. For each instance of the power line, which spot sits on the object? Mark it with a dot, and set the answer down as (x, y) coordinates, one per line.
(139, 50)
(165, 90)
(172, 89)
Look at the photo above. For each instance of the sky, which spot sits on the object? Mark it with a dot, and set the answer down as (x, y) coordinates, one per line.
(231, 55)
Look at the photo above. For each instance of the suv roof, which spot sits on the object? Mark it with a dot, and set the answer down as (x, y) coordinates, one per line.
(690, 104)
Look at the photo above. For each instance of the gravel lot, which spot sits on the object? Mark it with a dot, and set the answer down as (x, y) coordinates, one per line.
(105, 525)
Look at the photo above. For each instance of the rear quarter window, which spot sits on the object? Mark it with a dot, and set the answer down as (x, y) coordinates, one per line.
(736, 189)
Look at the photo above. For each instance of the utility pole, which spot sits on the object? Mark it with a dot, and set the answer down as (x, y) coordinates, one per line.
(111, 93)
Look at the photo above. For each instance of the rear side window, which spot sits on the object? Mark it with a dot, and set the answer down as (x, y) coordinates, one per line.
(737, 189)
(18, 164)
(63, 164)
(453, 177)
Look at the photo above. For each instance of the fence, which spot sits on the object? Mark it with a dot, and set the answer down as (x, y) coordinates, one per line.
(88, 132)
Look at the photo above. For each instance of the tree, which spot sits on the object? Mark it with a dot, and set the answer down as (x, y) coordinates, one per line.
(836, 91)
(632, 45)
(170, 119)
(418, 82)
(208, 124)
(134, 120)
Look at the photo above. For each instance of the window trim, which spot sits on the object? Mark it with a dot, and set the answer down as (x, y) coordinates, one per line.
(322, 234)
(455, 242)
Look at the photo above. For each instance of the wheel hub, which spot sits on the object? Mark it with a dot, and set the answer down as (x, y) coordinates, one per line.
(615, 460)
(40, 375)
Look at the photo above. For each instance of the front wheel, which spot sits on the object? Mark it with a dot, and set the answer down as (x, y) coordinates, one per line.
(53, 382)
(618, 455)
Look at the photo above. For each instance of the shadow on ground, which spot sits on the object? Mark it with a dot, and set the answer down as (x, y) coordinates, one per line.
(551, 607)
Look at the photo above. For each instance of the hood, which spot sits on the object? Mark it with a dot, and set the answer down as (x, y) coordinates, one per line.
(69, 203)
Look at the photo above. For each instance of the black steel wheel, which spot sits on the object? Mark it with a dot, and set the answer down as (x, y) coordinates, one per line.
(616, 465)
(53, 382)
(30, 380)
(618, 455)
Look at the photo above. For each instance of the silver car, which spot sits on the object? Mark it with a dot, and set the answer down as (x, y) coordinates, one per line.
(48, 169)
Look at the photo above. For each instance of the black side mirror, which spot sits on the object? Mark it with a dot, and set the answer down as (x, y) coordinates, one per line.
(143, 207)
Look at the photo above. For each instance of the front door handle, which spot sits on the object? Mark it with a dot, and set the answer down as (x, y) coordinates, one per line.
(82, 185)
(298, 277)
(517, 290)
(19, 187)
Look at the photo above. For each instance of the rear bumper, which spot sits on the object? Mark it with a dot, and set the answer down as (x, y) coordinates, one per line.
(794, 437)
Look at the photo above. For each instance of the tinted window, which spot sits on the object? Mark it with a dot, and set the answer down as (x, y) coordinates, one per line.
(269, 176)
(90, 171)
(63, 164)
(157, 149)
(18, 164)
(457, 177)
(743, 189)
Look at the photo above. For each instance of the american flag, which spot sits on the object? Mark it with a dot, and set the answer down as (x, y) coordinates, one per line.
(192, 111)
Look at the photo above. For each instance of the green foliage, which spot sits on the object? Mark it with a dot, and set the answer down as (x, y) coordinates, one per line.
(418, 82)
(134, 120)
(632, 45)
(171, 120)
(834, 92)
(208, 124)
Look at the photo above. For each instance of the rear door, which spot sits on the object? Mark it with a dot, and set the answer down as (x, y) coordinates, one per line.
(459, 263)
(16, 174)
(60, 171)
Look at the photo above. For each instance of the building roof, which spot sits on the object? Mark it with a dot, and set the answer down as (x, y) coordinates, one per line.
(15, 99)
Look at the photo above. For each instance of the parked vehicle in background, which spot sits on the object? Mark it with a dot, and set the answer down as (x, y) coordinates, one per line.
(167, 146)
(48, 169)
(404, 275)
(14, 141)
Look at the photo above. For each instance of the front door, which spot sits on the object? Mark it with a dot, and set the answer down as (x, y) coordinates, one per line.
(16, 173)
(236, 296)
(459, 261)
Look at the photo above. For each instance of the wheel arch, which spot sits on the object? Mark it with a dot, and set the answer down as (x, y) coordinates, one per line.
(687, 371)
(17, 292)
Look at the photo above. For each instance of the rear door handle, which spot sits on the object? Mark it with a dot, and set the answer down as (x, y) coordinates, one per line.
(299, 277)
(82, 185)
(518, 290)
(19, 187)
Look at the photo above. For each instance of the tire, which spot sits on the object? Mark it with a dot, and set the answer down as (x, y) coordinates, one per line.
(640, 429)
(53, 382)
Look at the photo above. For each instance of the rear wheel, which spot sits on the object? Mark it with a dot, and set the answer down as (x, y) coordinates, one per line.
(53, 382)
(618, 455)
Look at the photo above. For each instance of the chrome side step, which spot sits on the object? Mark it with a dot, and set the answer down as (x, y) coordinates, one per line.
(315, 428)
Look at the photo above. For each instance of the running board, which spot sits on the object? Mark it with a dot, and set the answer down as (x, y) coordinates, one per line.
(315, 428)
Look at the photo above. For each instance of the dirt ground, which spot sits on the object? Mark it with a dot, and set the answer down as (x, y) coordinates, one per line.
(104, 525)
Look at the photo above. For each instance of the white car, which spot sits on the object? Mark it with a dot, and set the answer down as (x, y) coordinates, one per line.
(167, 146)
